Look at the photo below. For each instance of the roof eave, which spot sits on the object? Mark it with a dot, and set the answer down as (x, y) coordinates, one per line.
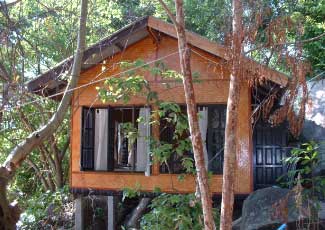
(92, 55)
(112, 44)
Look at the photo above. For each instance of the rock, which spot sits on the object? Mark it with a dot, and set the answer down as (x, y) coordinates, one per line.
(314, 125)
(261, 212)
(236, 224)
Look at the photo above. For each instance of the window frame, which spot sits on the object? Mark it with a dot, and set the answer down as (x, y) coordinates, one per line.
(223, 106)
(110, 153)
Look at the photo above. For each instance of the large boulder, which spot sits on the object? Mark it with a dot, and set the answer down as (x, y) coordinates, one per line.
(268, 208)
(314, 126)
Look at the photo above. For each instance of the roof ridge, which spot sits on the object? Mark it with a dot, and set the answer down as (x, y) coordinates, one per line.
(110, 45)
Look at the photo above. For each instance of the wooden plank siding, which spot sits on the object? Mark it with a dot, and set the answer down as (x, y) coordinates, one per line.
(251, 66)
(212, 90)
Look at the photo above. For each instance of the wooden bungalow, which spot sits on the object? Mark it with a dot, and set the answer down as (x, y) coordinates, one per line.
(97, 160)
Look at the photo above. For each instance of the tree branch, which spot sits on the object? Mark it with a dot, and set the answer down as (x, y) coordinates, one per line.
(46, 155)
(36, 138)
(65, 148)
(5, 5)
(168, 11)
(38, 173)
(9, 215)
(3, 73)
(288, 43)
(137, 212)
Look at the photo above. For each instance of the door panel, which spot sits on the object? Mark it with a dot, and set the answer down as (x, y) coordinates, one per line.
(270, 148)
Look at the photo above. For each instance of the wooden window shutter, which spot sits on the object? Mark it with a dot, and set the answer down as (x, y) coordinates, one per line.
(110, 141)
(216, 137)
(87, 139)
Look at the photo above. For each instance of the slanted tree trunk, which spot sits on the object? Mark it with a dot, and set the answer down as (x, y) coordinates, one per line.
(8, 216)
(39, 174)
(4, 77)
(58, 159)
(229, 167)
(185, 56)
(136, 214)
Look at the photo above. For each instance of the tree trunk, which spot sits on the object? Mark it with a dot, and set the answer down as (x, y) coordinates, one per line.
(61, 157)
(19, 153)
(9, 214)
(137, 213)
(184, 56)
(44, 157)
(5, 95)
(229, 167)
(39, 174)
(58, 159)
(58, 171)
(52, 165)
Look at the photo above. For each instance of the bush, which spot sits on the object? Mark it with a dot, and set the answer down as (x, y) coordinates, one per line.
(304, 161)
(47, 209)
(175, 212)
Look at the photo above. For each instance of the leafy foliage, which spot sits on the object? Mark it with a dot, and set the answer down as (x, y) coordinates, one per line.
(131, 192)
(307, 157)
(44, 210)
(162, 151)
(133, 83)
(35, 35)
(121, 88)
(304, 162)
(312, 13)
(175, 212)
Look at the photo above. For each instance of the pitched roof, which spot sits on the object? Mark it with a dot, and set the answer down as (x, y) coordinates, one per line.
(49, 82)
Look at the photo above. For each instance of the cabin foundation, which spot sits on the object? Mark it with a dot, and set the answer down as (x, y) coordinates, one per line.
(78, 216)
(111, 212)
(95, 212)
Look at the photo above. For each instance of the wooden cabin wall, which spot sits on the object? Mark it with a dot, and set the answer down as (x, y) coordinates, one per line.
(212, 90)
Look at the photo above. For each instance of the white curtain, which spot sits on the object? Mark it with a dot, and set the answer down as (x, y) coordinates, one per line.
(203, 123)
(101, 136)
(143, 151)
(119, 144)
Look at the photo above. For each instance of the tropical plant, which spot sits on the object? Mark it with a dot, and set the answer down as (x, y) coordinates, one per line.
(304, 161)
(180, 212)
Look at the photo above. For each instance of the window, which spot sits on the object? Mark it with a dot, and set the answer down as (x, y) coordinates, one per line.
(212, 119)
(174, 164)
(216, 137)
(113, 140)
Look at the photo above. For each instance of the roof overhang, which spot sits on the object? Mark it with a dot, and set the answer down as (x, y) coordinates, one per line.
(48, 82)
(51, 81)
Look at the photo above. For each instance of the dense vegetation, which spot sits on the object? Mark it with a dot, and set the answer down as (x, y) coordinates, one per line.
(35, 35)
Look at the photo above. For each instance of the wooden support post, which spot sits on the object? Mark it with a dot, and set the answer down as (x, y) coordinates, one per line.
(78, 216)
(111, 212)
(156, 136)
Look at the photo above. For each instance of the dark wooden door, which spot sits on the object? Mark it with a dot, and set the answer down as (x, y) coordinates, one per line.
(270, 148)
